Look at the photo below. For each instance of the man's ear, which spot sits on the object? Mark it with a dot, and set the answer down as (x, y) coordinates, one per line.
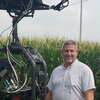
(77, 51)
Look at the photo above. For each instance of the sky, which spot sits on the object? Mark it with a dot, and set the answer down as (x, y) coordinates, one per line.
(64, 24)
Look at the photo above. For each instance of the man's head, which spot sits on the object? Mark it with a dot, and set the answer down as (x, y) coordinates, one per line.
(69, 52)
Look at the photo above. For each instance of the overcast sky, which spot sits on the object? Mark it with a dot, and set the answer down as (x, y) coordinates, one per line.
(63, 24)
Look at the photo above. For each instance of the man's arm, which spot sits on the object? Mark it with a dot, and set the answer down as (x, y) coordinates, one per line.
(49, 96)
(89, 95)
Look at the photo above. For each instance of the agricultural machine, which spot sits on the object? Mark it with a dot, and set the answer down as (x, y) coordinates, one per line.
(30, 83)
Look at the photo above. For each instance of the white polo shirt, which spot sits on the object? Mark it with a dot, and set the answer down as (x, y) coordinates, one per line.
(70, 83)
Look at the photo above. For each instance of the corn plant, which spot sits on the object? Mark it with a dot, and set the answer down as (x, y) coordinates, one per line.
(50, 51)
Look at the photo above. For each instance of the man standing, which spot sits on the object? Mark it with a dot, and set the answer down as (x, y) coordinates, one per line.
(73, 80)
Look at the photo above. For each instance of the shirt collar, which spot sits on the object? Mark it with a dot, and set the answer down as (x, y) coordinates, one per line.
(74, 62)
(70, 65)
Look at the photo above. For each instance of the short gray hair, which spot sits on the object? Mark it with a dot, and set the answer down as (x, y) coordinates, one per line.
(69, 42)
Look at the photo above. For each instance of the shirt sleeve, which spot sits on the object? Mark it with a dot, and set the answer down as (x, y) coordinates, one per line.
(87, 80)
(50, 84)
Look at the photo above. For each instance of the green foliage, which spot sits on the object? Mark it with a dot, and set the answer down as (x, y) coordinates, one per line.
(50, 50)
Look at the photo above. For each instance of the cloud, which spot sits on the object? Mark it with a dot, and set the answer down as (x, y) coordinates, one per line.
(65, 23)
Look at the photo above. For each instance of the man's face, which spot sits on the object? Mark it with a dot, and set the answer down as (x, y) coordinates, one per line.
(69, 54)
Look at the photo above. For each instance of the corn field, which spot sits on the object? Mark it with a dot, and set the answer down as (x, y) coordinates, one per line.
(50, 51)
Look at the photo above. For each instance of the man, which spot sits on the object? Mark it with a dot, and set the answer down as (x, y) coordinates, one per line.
(73, 80)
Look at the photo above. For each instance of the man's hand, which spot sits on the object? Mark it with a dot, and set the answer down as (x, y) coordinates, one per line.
(89, 95)
(49, 96)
